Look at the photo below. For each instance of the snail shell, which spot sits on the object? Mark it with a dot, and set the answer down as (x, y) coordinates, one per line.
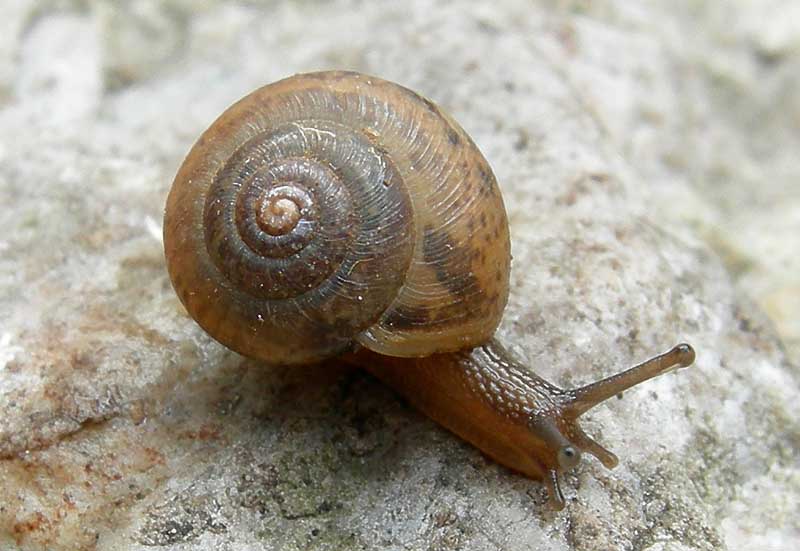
(334, 209)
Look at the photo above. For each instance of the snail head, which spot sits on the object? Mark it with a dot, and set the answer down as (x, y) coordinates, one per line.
(560, 433)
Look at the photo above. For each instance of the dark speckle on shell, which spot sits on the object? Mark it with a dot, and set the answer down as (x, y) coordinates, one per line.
(436, 243)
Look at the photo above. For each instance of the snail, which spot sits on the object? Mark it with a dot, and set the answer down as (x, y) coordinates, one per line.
(338, 214)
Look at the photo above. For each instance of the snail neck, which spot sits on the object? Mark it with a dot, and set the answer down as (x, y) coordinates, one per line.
(480, 394)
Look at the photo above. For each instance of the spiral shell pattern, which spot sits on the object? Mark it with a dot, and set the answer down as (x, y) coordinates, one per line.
(328, 209)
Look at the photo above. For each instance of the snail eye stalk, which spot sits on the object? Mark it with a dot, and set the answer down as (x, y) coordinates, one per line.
(583, 399)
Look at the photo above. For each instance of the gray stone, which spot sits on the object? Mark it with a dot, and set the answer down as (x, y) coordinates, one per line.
(647, 154)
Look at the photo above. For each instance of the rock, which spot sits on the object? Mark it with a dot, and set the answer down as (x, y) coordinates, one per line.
(640, 150)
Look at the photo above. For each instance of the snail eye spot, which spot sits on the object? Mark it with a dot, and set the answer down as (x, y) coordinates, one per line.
(568, 457)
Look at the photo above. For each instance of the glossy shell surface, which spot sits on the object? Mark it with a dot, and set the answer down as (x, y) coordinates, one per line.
(335, 208)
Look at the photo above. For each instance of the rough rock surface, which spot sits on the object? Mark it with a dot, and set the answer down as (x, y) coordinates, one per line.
(648, 156)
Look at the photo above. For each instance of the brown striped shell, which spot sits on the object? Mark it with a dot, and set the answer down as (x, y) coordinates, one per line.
(335, 208)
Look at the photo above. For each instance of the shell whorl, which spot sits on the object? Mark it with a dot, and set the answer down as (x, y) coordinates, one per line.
(297, 212)
(306, 218)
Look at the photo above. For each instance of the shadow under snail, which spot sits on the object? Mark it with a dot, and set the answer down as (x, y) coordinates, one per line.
(338, 214)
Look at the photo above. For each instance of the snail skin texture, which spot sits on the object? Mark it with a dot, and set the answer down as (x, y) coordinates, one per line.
(338, 214)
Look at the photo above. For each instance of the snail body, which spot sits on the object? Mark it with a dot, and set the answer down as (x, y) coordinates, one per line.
(337, 214)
